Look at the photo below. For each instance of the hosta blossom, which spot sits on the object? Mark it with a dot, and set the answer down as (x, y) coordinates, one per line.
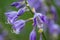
(18, 26)
(32, 35)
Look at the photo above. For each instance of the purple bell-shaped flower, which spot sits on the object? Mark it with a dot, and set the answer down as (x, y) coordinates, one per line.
(11, 16)
(39, 19)
(18, 26)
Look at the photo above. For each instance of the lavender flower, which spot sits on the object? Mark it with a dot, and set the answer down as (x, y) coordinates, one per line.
(18, 26)
(32, 35)
(11, 16)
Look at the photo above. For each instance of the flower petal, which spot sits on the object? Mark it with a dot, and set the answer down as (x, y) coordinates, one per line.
(18, 26)
(11, 16)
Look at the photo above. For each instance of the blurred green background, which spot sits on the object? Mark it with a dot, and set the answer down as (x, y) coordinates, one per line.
(24, 35)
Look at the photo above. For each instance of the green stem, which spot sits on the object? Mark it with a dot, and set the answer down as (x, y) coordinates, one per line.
(30, 19)
(28, 7)
(44, 36)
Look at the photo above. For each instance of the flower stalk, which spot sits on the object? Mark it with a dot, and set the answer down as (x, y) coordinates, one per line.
(41, 20)
(27, 5)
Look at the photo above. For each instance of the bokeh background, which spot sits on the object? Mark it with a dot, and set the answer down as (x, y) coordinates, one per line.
(24, 35)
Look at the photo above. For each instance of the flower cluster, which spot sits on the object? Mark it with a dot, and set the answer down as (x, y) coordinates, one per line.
(43, 15)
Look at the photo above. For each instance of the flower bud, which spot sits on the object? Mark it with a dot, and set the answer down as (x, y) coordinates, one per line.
(21, 11)
(18, 4)
(32, 35)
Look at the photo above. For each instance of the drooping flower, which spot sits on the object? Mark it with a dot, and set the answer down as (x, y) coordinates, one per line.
(39, 19)
(32, 35)
(11, 16)
(18, 26)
